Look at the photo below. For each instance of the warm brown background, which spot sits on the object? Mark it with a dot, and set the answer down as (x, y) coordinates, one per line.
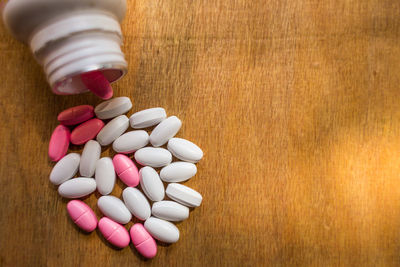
(295, 104)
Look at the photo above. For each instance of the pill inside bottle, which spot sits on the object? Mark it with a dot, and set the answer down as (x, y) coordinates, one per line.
(97, 84)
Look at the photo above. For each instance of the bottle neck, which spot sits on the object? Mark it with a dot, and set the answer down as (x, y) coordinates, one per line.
(78, 43)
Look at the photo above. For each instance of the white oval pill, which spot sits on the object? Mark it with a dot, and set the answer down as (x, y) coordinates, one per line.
(178, 172)
(113, 107)
(170, 211)
(147, 118)
(153, 157)
(77, 187)
(151, 184)
(167, 129)
(184, 195)
(114, 208)
(105, 176)
(65, 169)
(90, 155)
(137, 203)
(185, 150)
(113, 130)
(131, 141)
(162, 230)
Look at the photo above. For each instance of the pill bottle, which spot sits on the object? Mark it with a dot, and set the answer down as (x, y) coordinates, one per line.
(70, 38)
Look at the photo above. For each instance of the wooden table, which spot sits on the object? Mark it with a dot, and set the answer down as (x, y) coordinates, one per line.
(295, 104)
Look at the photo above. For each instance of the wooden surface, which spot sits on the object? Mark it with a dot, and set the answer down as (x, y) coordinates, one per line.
(295, 104)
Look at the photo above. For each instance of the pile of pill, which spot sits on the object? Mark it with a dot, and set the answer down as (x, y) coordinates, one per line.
(158, 216)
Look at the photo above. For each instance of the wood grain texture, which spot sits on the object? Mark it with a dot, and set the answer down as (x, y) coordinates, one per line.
(295, 104)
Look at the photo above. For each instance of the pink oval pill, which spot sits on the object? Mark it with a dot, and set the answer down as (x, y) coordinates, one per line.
(82, 215)
(126, 170)
(143, 241)
(76, 115)
(115, 233)
(86, 131)
(98, 84)
(59, 143)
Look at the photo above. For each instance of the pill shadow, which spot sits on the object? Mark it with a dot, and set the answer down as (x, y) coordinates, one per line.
(75, 148)
(108, 148)
(163, 244)
(52, 187)
(134, 251)
(120, 184)
(97, 194)
(66, 200)
(136, 220)
(110, 151)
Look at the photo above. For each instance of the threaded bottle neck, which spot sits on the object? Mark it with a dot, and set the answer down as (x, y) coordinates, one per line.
(77, 43)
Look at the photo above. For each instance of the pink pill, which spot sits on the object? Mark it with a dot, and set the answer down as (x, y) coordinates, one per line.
(115, 233)
(59, 143)
(98, 84)
(76, 115)
(82, 215)
(86, 131)
(126, 170)
(143, 241)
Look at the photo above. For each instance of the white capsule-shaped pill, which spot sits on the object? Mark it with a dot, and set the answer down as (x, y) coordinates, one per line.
(90, 155)
(162, 230)
(147, 118)
(65, 169)
(153, 157)
(114, 208)
(151, 184)
(184, 195)
(170, 211)
(167, 129)
(137, 203)
(178, 172)
(113, 130)
(131, 141)
(113, 108)
(77, 187)
(105, 175)
(185, 150)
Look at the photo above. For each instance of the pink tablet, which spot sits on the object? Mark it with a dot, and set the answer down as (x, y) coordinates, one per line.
(115, 233)
(126, 170)
(143, 241)
(59, 143)
(82, 215)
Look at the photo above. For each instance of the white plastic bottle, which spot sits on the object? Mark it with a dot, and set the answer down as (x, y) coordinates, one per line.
(70, 38)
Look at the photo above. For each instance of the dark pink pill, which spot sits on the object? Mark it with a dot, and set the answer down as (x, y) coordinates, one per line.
(86, 131)
(98, 84)
(76, 115)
